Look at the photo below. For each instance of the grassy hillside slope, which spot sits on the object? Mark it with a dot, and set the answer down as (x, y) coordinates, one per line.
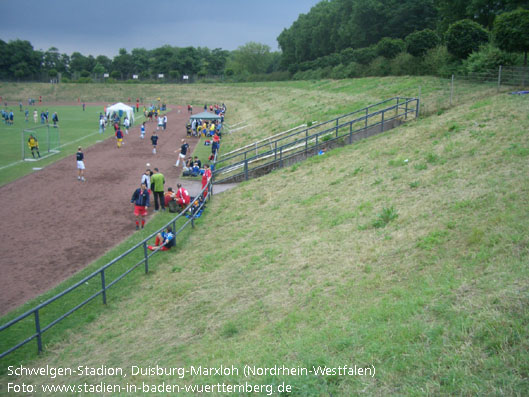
(407, 252)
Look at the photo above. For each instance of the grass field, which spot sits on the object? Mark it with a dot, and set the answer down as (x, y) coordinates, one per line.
(406, 252)
(77, 128)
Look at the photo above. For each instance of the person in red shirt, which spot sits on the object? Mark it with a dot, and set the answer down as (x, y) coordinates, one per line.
(205, 179)
(182, 196)
(168, 196)
(141, 200)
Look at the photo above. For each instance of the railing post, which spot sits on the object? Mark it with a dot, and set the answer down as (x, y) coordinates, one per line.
(499, 78)
(382, 124)
(350, 133)
(103, 287)
(451, 90)
(246, 169)
(275, 151)
(397, 109)
(316, 147)
(281, 157)
(146, 257)
(306, 141)
(418, 108)
(37, 329)
(406, 111)
(256, 148)
(367, 112)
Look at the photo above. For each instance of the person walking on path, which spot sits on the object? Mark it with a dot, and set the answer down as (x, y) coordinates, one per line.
(80, 164)
(126, 123)
(157, 187)
(183, 153)
(141, 200)
(119, 137)
(142, 130)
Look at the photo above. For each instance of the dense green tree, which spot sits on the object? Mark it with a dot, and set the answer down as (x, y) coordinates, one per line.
(77, 62)
(105, 62)
(23, 61)
(216, 61)
(511, 32)
(251, 58)
(417, 43)
(390, 48)
(465, 36)
(123, 64)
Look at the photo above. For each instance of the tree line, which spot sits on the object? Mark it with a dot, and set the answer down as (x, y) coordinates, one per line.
(351, 38)
(20, 61)
(336, 38)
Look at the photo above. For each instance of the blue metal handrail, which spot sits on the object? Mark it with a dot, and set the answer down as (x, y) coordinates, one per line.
(402, 108)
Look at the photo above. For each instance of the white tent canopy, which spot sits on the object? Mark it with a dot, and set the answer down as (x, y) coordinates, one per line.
(125, 109)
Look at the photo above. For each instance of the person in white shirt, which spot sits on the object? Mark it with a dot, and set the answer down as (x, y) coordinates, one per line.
(126, 123)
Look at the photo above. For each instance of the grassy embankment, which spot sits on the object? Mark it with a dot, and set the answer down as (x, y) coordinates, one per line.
(407, 251)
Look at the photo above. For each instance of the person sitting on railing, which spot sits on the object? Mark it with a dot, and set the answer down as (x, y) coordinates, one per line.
(164, 241)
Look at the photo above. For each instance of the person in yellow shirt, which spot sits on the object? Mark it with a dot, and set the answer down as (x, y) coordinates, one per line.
(33, 145)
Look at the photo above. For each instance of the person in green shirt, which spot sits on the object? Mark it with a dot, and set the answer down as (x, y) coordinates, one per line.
(157, 187)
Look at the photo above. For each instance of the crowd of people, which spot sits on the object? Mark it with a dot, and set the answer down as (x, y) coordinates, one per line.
(152, 190)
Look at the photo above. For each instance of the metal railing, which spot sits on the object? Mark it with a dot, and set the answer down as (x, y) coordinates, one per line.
(142, 246)
(361, 123)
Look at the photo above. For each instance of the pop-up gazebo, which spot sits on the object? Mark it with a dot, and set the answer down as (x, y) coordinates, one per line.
(125, 109)
(205, 116)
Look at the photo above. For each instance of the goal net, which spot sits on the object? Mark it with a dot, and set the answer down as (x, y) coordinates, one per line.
(46, 142)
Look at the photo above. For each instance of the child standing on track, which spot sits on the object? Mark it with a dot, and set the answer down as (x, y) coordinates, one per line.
(80, 164)
(119, 137)
(142, 131)
(154, 140)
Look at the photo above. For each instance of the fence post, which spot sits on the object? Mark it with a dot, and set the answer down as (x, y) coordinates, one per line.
(418, 110)
(256, 148)
(246, 169)
(146, 256)
(306, 141)
(367, 112)
(406, 111)
(281, 157)
(275, 151)
(103, 287)
(350, 133)
(451, 90)
(316, 145)
(37, 328)
(499, 78)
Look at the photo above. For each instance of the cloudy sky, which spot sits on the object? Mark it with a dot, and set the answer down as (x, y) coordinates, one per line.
(97, 27)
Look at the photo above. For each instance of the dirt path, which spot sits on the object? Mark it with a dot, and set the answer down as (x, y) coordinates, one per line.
(55, 225)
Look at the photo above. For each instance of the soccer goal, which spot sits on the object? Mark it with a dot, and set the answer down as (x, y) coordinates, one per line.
(47, 142)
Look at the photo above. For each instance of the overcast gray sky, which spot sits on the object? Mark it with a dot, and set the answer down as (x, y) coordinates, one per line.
(102, 27)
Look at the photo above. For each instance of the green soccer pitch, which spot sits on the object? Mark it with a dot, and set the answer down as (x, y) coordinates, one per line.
(76, 127)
